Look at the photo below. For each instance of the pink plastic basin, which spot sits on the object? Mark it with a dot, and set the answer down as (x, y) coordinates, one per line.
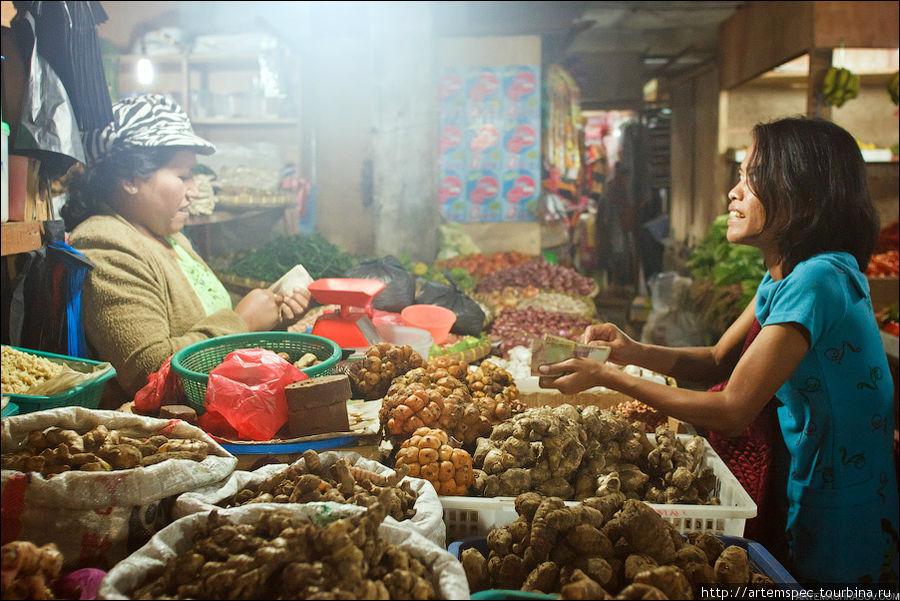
(436, 320)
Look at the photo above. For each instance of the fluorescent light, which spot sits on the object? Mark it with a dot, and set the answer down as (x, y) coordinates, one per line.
(144, 71)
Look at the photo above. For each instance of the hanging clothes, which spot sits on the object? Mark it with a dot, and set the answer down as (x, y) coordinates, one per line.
(66, 37)
(46, 129)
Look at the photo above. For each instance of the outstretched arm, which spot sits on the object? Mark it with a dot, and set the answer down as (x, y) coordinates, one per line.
(701, 363)
(761, 371)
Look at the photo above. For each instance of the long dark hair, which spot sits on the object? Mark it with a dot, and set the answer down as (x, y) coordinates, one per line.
(96, 185)
(810, 176)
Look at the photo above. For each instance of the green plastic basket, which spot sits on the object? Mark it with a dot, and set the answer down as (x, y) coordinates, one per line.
(193, 363)
(85, 395)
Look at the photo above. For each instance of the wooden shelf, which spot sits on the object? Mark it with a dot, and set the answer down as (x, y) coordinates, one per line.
(777, 79)
(250, 122)
(874, 156)
(20, 237)
(224, 216)
(237, 61)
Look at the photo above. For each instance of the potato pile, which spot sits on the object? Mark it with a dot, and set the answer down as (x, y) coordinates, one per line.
(428, 455)
(341, 483)
(56, 450)
(284, 557)
(580, 452)
(605, 546)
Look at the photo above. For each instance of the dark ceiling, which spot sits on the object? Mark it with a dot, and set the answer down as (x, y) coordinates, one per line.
(610, 48)
(601, 40)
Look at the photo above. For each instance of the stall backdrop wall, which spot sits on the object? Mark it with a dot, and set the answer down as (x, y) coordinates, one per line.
(455, 53)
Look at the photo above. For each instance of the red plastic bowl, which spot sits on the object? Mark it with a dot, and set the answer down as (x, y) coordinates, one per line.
(433, 318)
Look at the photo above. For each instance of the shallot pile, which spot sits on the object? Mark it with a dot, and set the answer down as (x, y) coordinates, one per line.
(518, 327)
(540, 274)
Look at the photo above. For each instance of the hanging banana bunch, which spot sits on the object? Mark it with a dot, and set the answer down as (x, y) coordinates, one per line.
(839, 86)
(893, 88)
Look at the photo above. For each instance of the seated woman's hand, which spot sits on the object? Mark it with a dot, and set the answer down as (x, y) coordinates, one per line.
(260, 310)
(294, 305)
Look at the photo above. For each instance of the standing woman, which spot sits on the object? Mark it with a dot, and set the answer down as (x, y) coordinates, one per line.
(803, 200)
(150, 294)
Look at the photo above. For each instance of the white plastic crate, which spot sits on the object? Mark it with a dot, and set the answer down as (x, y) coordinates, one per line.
(475, 516)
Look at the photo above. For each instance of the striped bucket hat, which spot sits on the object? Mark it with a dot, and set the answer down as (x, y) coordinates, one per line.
(148, 120)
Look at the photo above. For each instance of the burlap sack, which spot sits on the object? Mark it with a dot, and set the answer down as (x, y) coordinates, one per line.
(428, 521)
(97, 518)
(448, 575)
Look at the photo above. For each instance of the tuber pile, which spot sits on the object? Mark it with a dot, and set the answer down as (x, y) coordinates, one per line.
(428, 455)
(580, 452)
(605, 547)
(414, 401)
(56, 450)
(284, 557)
(494, 392)
(633, 409)
(371, 376)
(472, 400)
(28, 571)
(341, 482)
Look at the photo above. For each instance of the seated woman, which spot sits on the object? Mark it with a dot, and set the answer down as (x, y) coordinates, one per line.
(150, 294)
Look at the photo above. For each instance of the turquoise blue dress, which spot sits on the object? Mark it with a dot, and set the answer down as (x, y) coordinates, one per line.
(837, 417)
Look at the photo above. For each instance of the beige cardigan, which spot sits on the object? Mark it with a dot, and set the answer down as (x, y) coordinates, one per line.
(138, 308)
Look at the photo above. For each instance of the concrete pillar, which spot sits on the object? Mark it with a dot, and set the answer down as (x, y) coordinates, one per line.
(376, 127)
(404, 129)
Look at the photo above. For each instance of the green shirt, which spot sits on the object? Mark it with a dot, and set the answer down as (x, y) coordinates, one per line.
(209, 289)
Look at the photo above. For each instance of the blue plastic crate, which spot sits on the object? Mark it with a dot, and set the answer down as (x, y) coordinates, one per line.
(761, 561)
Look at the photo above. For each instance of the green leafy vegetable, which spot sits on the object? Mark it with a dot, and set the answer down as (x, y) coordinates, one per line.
(321, 258)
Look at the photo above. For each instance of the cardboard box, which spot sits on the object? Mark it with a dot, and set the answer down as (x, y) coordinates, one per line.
(605, 399)
(318, 405)
(884, 292)
(533, 396)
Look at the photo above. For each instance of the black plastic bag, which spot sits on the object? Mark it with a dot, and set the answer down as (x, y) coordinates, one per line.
(400, 291)
(47, 128)
(45, 306)
(469, 315)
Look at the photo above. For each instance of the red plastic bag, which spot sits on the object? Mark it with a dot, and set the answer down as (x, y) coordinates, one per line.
(247, 389)
(213, 423)
(162, 386)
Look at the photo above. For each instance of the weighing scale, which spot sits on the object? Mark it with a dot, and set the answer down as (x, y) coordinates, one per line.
(352, 326)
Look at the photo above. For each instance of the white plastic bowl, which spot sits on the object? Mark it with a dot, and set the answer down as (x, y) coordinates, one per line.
(420, 340)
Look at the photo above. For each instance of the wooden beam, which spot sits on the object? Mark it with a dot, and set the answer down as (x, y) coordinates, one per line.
(761, 36)
(819, 63)
(856, 24)
(20, 237)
